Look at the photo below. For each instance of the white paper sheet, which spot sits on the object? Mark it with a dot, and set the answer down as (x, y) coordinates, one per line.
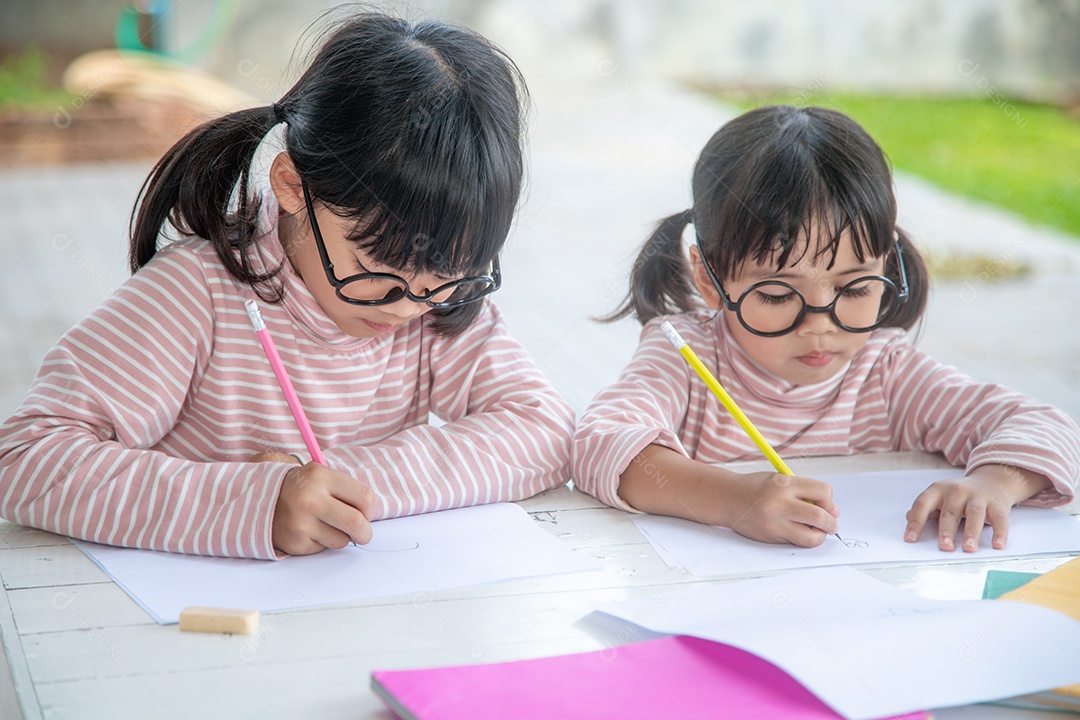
(868, 649)
(872, 509)
(422, 553)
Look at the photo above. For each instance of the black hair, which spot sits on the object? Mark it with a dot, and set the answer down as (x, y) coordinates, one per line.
(413, 130)
(761, 183)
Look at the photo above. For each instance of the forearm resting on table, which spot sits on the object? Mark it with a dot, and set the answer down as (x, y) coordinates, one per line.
(662, 481)
(1017, 484)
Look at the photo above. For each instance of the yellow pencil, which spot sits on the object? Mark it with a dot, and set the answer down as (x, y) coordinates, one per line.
(736, 412)
(725, 399)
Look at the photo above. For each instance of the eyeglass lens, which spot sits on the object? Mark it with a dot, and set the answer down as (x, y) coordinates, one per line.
(776, 307)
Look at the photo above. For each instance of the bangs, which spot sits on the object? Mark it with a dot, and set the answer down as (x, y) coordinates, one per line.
(444, 204)
(426, 222)
(438, 188)
(810, 222)
(796, 192)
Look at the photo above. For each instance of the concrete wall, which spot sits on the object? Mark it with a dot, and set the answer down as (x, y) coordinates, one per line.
(1025, 48)
(1020, 48)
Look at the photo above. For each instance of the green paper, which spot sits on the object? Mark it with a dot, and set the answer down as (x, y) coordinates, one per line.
(999, 582)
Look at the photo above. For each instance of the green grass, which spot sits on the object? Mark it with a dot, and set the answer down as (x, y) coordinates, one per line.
(1021, 156)
(23, 83)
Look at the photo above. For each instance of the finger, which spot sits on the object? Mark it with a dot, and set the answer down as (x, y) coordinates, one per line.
(919, 514)
(974, 517)
(347, 520)
(998, 518)
(814, 517)
(815, 491)
(828, 506)
(361, 497)
(804, 535)
(913, 531)
(301, 543)
(316, 536)
(327, 536)
(818, 493)
(952, 511)
(354, 493)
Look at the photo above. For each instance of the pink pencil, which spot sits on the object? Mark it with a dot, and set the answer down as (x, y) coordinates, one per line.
(284, 381)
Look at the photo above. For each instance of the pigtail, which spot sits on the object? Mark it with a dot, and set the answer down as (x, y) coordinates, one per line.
(660, 282)
(918, 277)
(200, 187)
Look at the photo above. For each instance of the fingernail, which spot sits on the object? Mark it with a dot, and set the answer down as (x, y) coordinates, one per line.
(910, 537)
(947, 543)
(999, 543)
(969, 544)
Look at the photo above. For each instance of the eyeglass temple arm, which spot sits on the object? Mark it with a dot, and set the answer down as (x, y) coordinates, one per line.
(904, 291)
(724, 297)
(323, 254)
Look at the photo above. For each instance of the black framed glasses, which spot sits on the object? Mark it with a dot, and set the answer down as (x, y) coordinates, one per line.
(372, 288)
(772, 308)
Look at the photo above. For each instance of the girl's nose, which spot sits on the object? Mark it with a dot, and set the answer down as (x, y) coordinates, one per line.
(817, 323)
(404, 308)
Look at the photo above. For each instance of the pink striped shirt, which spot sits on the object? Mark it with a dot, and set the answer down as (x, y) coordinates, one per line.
(891, 397)
(138, 428)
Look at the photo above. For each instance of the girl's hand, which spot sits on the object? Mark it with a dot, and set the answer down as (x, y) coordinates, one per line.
(320, 508)
(986, 495)
(763, 506)
(775, 508)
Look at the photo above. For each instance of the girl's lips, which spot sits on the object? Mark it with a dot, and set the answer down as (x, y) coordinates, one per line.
(379, 327)
(817, 359)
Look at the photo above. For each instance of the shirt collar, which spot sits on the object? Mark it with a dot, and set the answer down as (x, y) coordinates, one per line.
(297, 300)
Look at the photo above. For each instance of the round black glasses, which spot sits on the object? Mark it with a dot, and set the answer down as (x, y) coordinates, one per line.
(370, 288)
(772, 308)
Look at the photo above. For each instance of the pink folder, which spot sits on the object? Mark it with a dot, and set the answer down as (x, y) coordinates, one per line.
(679, 676)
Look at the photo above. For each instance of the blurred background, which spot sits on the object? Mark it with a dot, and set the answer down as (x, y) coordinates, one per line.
(976, 102)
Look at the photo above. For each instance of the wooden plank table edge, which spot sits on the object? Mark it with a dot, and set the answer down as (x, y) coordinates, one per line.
(16, 687)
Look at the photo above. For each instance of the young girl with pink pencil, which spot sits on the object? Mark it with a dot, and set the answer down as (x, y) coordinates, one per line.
(371, 245)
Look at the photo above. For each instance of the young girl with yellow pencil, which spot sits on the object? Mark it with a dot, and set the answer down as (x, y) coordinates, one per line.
(798, 294)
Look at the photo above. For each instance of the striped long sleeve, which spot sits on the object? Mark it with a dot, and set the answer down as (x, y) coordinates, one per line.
(891, 397)
(140, 425)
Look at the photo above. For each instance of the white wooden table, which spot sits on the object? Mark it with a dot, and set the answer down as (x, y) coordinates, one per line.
(76, 647)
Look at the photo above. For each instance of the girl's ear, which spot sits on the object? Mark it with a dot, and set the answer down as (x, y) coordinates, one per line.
(285, 182)
(702, 281)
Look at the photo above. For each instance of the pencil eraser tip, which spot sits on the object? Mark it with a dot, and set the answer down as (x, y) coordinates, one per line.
(672, 334)
(219, 620)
